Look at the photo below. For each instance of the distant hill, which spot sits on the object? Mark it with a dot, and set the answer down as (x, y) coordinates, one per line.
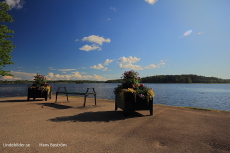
(184, 78)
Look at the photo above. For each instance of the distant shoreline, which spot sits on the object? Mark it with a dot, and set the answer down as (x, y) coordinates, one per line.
(12, 82)
(184, 78)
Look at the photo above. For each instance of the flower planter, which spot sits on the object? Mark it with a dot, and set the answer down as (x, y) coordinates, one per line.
(35, 93)
(130, 104)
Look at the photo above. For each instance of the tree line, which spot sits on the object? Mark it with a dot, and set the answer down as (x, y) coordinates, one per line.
(51, 81)
(184, 78)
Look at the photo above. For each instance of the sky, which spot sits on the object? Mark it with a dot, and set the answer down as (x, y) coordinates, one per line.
(100, 39)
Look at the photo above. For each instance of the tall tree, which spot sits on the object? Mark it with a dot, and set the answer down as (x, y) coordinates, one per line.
(6, 46)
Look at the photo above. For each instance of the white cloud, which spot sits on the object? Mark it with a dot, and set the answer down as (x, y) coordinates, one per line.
(76, 39)
(66, 69)
(199, 33)
(126, 62)
(161, 63)
(83, 67)
(15, 4)
(88, 48)
(151, 1)
(129, 59)
(99, 66)
(61, 77)
(68, 77)
(63, 70)
(130, 66)
(51, 76)
(19, 76)
(77, 75)
(87, 77)
(97, 77)
(58, 76)
(113, 8)
(187, 33)
(11, 78)
(105, 69)
(51, 68)
(152, 66)
(108, 19)
(107, 61)
(96, 39)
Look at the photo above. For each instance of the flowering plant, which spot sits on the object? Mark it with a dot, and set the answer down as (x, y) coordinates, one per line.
(39, 80)
(40, 83)
(130, 83)
(130, 79)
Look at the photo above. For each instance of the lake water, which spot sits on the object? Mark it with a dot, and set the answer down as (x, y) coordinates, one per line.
(210, 96)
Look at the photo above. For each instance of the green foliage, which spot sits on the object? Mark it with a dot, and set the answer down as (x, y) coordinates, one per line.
(130, 83)
(189, 78)
(141, 89)
(6, 46)
(117, 89)
(130, 79)
(39, 80)
(114, 81)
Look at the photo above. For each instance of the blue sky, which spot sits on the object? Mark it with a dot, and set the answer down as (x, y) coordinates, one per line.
(100, 39)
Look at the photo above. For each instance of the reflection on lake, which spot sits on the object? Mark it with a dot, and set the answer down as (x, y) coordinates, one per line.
(210, 96)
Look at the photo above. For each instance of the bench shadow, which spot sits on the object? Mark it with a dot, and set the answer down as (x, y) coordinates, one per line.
(53, 105)
(101, 116)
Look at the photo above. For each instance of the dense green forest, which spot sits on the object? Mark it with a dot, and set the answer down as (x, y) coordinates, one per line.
(114, 81)
(185, 78)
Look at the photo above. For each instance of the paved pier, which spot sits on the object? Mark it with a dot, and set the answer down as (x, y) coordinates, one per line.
(43, 126)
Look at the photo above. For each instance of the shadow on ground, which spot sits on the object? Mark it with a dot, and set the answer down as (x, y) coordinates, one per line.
(53, 105)
(101, 116)
(25, 100)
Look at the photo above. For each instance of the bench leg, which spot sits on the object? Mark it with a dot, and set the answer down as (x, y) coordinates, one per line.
(56, 97)
(95, 99)
(67, 97)
(151, 109)
(115, 105)
(84, 101)
(50, 95)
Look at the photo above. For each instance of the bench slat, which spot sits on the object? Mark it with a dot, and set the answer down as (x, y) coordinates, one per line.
(71, 92)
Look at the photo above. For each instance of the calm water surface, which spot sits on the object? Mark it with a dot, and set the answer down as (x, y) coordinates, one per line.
(210, 96)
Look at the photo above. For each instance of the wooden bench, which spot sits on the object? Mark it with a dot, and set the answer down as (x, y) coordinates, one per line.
(76, 93)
